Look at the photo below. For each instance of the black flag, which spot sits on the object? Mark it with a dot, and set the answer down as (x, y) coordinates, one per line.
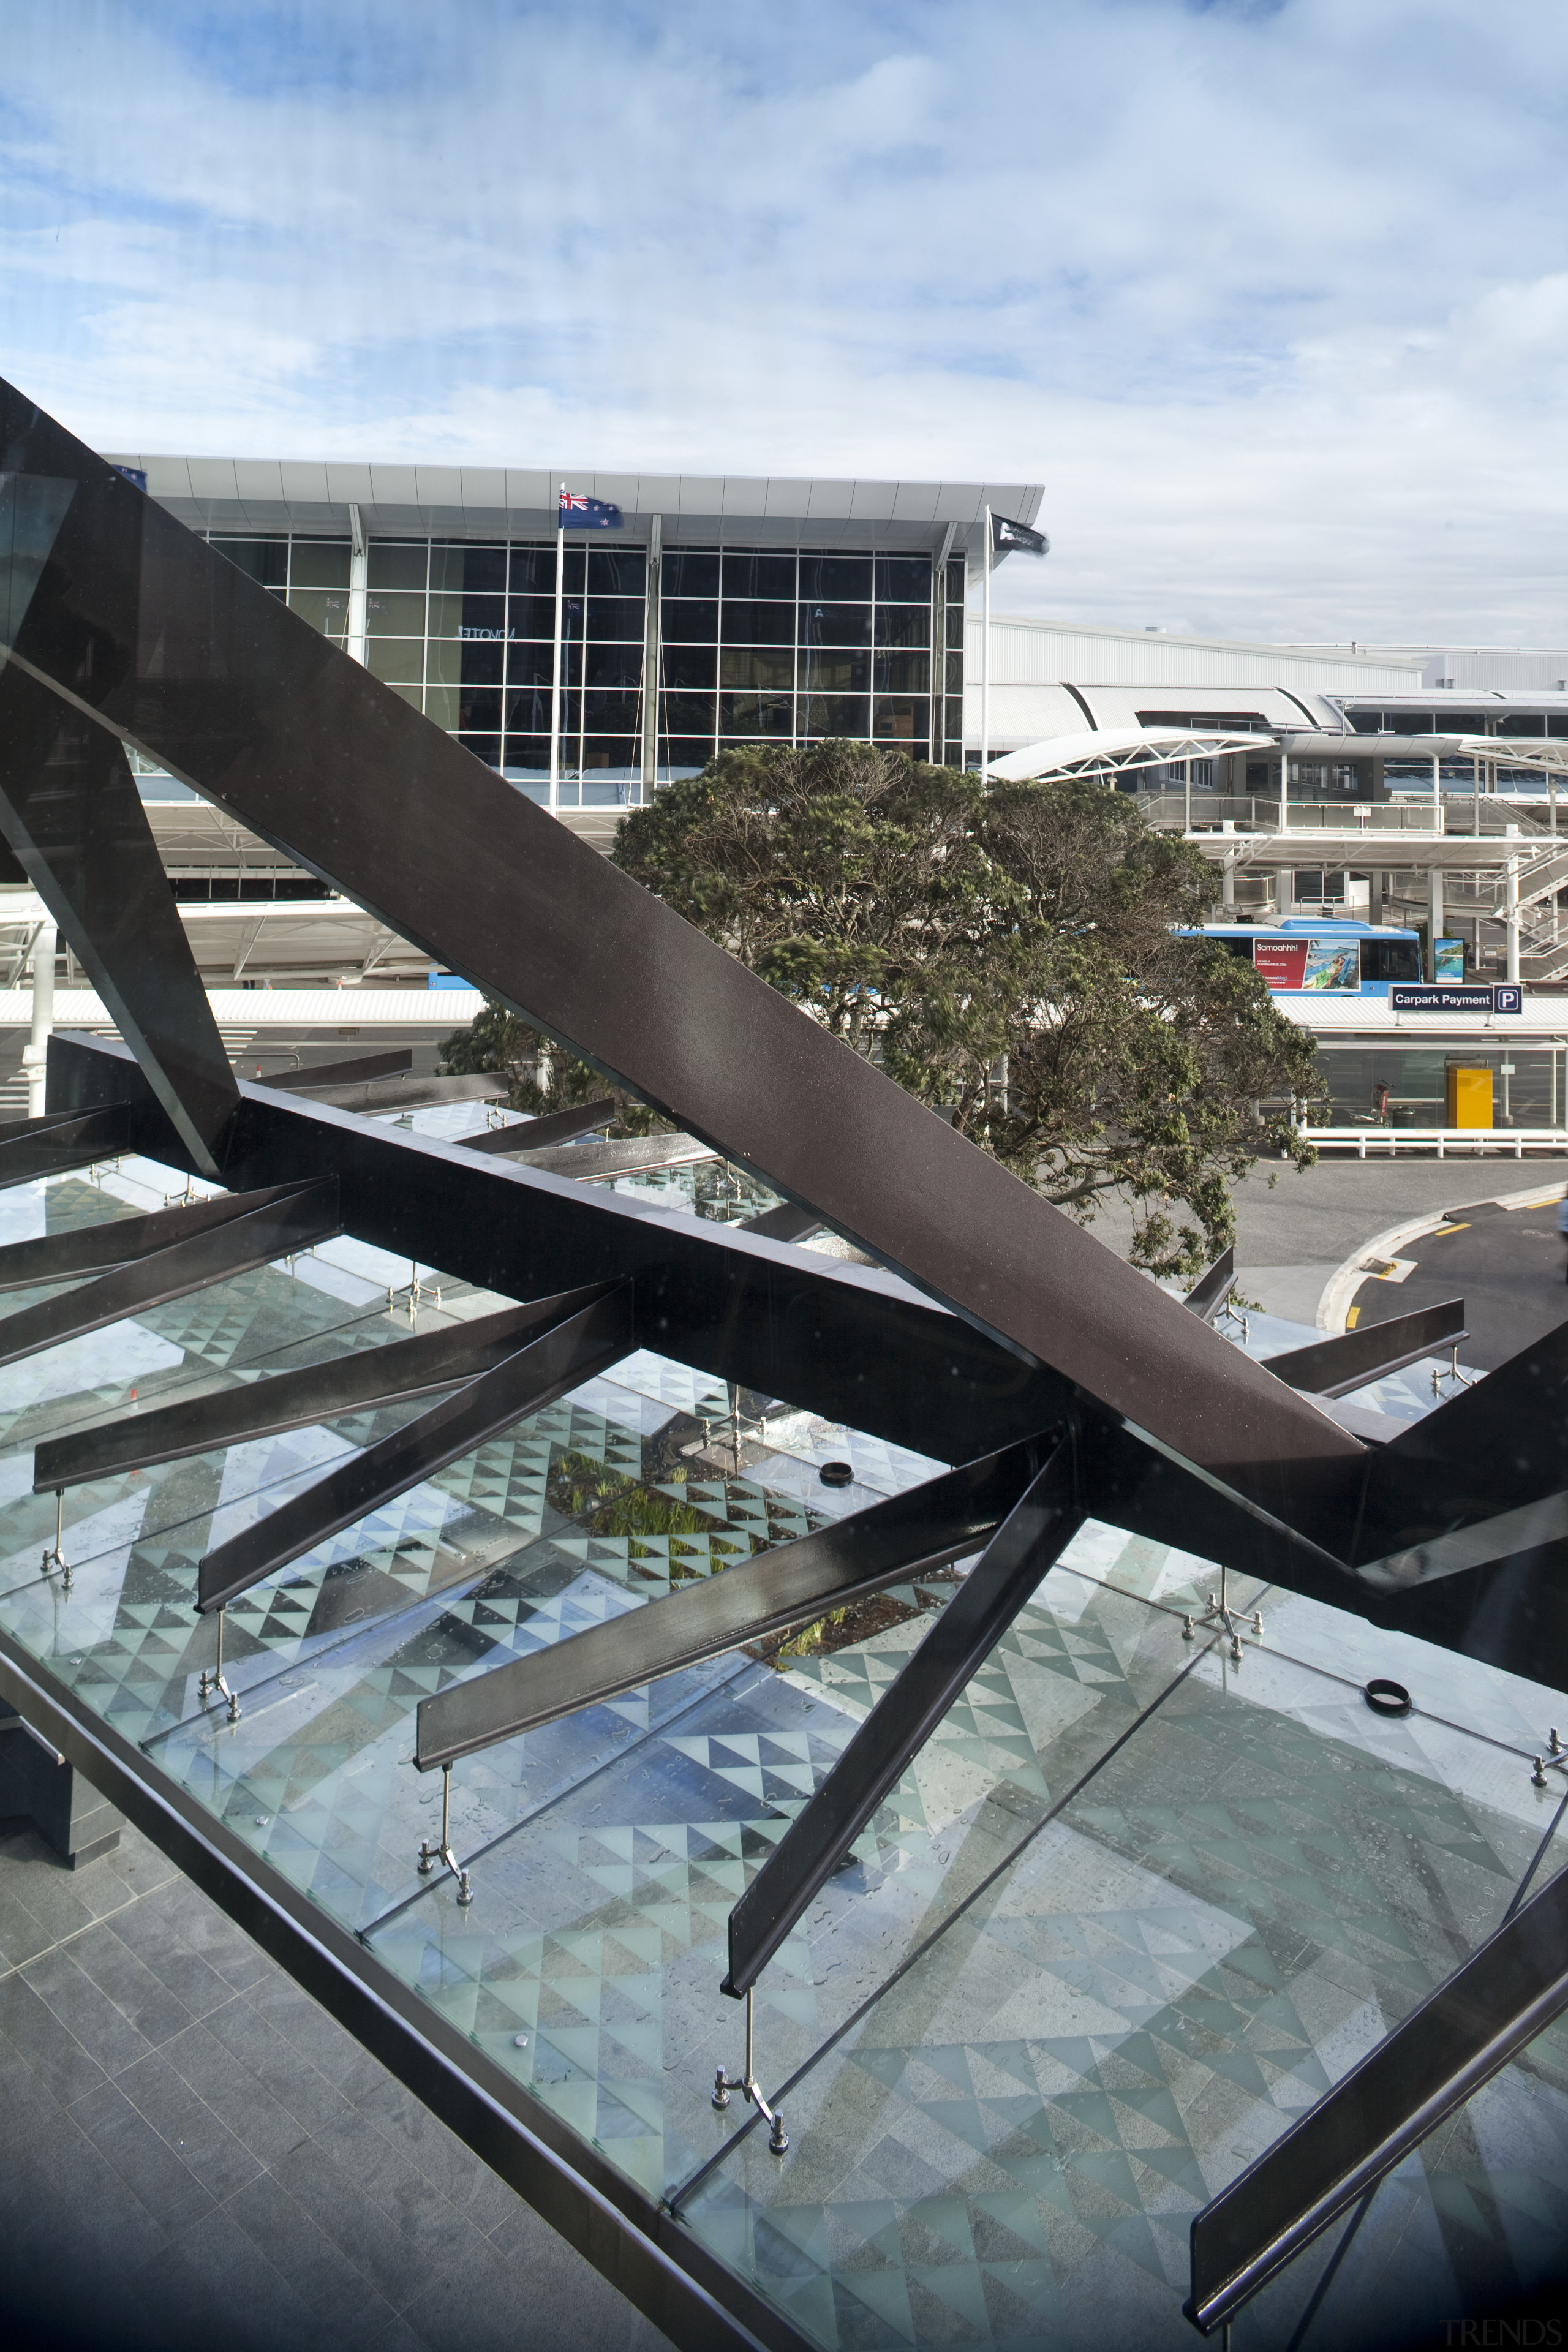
(1006, 536)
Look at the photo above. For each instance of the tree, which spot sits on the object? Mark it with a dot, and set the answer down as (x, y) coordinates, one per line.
(1022, 957)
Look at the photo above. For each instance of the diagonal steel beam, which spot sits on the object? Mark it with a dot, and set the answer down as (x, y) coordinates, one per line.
(120, 1241)
(370, 1095)
(293, 1219)
(1333, 1367)
(568, 1352)
(1211, 1290)
(961, 1638)
(341, 1074)
(921, 1530)
(1464, 2033)
(784, 1224)
(60, 1140)
(394, 1373)
(1496, 1450)
(245, 702)
(541, 1134)
(70, 809)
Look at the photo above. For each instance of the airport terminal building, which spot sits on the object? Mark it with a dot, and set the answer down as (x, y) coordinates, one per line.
(719, 612)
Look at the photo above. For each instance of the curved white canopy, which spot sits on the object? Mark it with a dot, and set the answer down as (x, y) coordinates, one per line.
(1119, 748)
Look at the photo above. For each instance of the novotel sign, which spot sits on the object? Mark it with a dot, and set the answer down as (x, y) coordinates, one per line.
(1454, 996)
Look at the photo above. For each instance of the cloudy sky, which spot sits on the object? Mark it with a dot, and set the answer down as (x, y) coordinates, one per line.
(1271, 299)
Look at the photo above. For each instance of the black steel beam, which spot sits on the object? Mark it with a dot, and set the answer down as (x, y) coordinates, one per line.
(294, 1218)
(629, 1156)
(1464, 2033)
(784, 1224)
(846, 1341)
(341, 1074)
(919, 1530)
(393, 1373)
(373, 1095)
(541, 1134)
(61, 1141)
(961, 1638)
(70, 809)
(1333, 1367)
(1492, 1457)
(250, 706)
(571, 1350)
(1211, 1290)
(119, 1241)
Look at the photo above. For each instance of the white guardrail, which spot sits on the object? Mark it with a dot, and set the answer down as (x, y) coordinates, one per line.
(1504, 1142)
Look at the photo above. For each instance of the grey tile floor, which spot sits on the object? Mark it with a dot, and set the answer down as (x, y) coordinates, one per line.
(192, 2152)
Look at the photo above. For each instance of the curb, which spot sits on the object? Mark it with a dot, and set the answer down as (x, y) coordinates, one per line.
(1340, 1289)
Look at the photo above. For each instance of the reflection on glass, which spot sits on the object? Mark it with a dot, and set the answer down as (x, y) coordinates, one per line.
(320, 564)
(835, 714)
(903, 625)
(742, 667)
(266, 559)
(394, 615)
(393, 563)
(689, 574)
(903, 580)
(836, 575)
(688, 666)
(688, 714)
(835, 672)
(682, 618)
(759, 575)
(903, 673)
(609, 665)
(901, 717)
(756, 714)
(617, 571)
(836, 624)
(758, 625)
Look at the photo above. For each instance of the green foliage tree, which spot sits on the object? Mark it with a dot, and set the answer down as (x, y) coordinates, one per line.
(1019, 955)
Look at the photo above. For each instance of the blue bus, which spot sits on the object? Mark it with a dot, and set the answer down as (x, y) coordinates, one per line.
(1307, 953)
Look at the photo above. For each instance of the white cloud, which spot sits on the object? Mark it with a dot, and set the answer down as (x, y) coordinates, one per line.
(1270, 300)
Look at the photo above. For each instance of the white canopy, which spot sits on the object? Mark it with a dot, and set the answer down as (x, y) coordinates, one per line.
(1119, 748)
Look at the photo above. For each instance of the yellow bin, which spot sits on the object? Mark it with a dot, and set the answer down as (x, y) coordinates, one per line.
(1470, 1097)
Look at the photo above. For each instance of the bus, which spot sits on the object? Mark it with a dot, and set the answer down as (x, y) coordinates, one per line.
(1306, 954)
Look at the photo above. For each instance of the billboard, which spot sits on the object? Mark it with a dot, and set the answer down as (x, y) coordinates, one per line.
(1308, 963)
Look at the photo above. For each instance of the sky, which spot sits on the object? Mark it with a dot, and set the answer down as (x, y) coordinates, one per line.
(1269, 296)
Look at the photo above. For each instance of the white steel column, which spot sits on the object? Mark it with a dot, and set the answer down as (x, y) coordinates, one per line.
(358, 630)
(1510, 915)
(1433, 915)
(985, 654)
(555, 666)
(652, 640)
(35, 1056)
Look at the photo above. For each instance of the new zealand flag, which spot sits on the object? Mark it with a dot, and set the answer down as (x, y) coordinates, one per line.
(579, 513)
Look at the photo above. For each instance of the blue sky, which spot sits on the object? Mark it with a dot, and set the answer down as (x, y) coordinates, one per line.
(1273, 300)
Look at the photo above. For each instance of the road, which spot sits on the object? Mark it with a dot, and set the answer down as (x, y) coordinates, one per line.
(1507, 1264)
(1294, 1233)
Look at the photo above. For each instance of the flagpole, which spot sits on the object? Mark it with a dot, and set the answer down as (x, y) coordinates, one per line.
(555, 665)
(985, 656)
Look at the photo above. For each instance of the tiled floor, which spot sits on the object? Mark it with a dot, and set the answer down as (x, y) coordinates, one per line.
(1132, 1911)
(194, 2154)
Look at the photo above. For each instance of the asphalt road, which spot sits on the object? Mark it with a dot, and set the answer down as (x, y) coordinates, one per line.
(1293, 1234)
(1507, 1264)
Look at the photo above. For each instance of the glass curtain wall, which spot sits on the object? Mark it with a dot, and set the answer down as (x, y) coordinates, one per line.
(310, 575)
(757, 646)
(768, 647)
